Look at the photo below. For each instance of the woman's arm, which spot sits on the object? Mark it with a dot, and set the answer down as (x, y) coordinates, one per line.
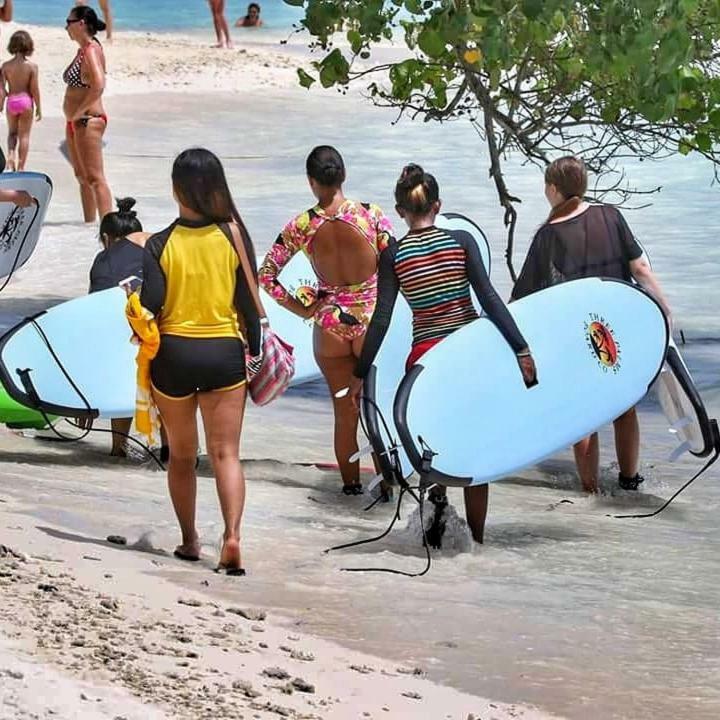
(35, 91)
(154, 286)
(18, 197)
(388, 289)
(642, 272)
(96, 79)
(3, 91)
(288, 243)
(492, 304)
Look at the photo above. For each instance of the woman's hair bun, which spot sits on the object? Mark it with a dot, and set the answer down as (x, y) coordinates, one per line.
(412, 175)
(125, 206)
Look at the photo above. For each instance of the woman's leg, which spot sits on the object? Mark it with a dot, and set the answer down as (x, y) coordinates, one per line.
(476, 506)
(627, 443)
(121, 428)
(87, 197)
(215, 10)
(587, 460)
(25, 122)
(88, 142)
(222, 414)
(12, 159)
(180, 421)
(335, 357)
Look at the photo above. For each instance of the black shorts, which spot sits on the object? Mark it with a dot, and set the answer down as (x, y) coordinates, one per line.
(185, 366)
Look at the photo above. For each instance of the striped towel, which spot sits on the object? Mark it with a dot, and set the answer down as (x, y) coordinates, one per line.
(147, 336)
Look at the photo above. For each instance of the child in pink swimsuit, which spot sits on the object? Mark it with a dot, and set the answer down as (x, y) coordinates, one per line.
(20, 94)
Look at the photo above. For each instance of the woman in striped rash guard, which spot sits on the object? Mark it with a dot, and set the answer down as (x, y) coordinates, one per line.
(434, 270)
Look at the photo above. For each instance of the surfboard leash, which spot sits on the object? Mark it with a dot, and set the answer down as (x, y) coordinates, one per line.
(405, 487)
(10, 217)
(32, 393)
(708, 464)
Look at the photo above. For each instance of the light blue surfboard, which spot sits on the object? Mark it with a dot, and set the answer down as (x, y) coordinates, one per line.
(20, 227)
(296, 277)
(76, 359)
(389, 367)
(598, 347)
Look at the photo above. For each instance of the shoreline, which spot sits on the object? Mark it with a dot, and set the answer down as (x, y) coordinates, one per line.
(180, 650)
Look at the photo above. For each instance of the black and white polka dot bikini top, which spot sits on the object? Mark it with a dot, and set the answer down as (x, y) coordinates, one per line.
(73, 73)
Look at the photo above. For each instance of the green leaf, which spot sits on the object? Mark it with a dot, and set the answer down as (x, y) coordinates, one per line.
(294, 3)
(431, 43)
(306, 80)
(532, 9)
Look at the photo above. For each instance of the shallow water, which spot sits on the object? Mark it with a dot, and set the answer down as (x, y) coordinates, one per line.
(585, 615)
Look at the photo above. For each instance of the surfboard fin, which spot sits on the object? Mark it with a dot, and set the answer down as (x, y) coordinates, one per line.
(364, 451)
(680, 424)
(679, 451)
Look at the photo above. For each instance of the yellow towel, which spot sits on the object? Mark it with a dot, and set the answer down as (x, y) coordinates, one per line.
(147, 335)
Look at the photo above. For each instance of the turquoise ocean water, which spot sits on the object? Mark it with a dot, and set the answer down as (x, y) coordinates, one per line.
(160, 15)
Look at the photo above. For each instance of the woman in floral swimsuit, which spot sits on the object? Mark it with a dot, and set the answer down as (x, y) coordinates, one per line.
(343, 240)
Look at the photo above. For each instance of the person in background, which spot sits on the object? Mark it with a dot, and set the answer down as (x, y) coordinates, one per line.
(217, 8)
(199, 282)
(123, 240)
(107, 16)
(580, 240)
(343, 239)
(6, 15)
(252, 18)
(86, 120)
(6, 11)
(20, 95)
(434, 269)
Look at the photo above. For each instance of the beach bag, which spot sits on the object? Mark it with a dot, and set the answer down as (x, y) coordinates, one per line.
(269, 375)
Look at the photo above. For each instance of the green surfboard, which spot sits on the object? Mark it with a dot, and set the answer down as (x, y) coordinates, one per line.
(18, 416)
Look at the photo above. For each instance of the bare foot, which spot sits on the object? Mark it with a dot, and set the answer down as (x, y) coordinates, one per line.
(230, 559)
(188, 551)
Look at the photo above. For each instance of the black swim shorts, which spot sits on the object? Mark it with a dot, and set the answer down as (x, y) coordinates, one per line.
(185, 366)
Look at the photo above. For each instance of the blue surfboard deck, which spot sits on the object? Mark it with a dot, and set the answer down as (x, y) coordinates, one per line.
(20, 227)
(389, 367)
(598, 347)
(89, 367)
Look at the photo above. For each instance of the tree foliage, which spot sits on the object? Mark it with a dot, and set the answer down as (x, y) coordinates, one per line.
(607, 80)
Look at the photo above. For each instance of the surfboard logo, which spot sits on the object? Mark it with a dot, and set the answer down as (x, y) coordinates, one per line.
(306, 292)
(601, 340)
(12, 229)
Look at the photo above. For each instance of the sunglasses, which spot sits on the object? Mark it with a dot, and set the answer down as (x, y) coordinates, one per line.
(70, 21)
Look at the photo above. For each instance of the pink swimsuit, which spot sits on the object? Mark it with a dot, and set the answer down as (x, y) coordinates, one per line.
(19, 103)
(344, 309)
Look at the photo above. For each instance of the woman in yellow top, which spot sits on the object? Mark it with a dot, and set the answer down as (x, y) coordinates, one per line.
(195, 283)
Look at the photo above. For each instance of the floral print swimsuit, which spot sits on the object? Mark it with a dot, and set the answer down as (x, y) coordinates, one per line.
(343, 309)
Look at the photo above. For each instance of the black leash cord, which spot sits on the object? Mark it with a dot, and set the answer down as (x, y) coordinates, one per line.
(367, 541)
(88, 430)
(15, 210)
(668, 502)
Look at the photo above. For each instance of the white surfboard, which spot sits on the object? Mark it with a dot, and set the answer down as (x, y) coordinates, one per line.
(389, 367)
(298, 278)
(680, 401)
(598, 346)
(20, 227)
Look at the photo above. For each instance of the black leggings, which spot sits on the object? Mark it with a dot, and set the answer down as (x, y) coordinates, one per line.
(185, 366)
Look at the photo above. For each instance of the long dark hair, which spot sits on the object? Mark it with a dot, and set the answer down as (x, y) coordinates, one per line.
(569, 175)
(416, 191)
(92, 22)
(123, 222)
(200, 184)
(325, 166)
